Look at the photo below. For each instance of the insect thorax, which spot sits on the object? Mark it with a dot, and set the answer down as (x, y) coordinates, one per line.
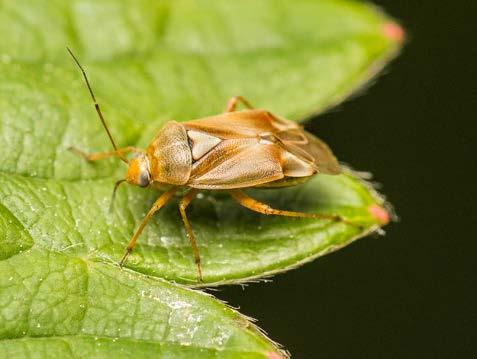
(170, 155)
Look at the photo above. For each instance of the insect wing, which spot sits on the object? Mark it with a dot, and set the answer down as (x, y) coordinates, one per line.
(240, 124)
(325, 161)
(237, 163)
(251, 148)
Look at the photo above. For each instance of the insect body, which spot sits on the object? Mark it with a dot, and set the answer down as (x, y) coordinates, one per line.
(229, 152)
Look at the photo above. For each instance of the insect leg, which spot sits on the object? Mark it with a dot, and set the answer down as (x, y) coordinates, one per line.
(184, 203)
(160, 202)
(254, 205)
(233, 101)
(101, 155)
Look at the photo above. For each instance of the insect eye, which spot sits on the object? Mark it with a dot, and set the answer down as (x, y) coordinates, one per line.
(144, 178)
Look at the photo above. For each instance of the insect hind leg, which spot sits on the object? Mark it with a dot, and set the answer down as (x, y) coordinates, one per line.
(260, 207)
(184, 203)
(233, 101)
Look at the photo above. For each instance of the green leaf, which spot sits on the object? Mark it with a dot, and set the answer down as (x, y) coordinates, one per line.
(54, 305)
(150, 62)
(174, 61)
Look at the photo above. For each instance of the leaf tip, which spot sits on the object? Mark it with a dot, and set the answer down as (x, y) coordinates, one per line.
(393, 31)
(379, 213)
(273, 355)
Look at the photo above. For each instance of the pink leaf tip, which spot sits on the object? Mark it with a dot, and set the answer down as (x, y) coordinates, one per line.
(393, 31)
(273, 355)
(379, 213)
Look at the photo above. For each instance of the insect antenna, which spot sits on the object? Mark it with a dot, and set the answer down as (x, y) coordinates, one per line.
(113, 197)
(96, 106)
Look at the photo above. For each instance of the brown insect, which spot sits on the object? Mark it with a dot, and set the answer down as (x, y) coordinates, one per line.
(229, 152)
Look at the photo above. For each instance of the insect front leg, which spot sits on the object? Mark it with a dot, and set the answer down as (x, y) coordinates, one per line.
(160, 202)
(184, 203)
(102, 155)
(233, 101)
(254, 205)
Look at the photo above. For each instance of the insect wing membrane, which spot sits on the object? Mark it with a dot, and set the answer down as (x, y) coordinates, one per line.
(325, 161)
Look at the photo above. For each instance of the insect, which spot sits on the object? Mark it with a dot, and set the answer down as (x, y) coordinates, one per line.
(229, 152)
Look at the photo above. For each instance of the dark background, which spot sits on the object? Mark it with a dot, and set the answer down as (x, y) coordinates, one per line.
(410, 294)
